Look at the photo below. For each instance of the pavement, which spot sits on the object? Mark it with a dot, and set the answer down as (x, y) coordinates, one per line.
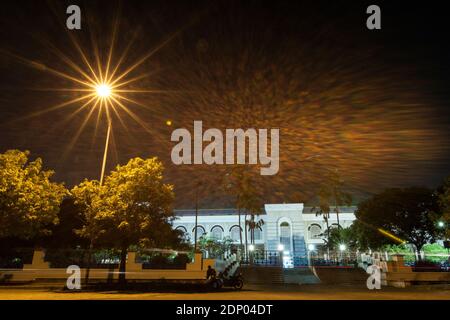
(249, 292)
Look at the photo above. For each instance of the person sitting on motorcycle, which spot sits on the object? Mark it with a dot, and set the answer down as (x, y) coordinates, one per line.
(210, 273)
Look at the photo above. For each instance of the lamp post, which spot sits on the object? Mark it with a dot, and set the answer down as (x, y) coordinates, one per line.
(196, 218)
(105, 153)
(103, 91)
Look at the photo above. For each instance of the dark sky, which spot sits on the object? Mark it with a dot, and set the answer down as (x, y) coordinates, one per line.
(372, 104)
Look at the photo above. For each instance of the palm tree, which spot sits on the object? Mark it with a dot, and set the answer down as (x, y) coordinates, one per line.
(253, 225)
(332, 192)
(242, 187)
(324, 211)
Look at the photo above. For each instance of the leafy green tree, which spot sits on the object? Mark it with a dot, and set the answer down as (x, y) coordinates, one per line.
(404, 214)
(138, 208)
(369, 237)
(215, 248)
(64, 234)
(29, 201)
(90, 198)
(347, 236)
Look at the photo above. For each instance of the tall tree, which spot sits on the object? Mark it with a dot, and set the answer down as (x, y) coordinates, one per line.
(90, 198)
(64, 234)
(248, 200)
(254, 224)
(29, 201)
(401, 215)
(139, 206)
(332, 193)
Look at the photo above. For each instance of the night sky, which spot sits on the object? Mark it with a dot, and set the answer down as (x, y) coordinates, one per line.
(372, 104)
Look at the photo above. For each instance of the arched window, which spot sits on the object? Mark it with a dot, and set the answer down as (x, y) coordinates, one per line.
(184, 231)
(217, 233)
(200, 232)
(315, 231)
(235, 233)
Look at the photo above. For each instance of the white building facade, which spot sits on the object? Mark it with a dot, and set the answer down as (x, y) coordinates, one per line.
(292, 227)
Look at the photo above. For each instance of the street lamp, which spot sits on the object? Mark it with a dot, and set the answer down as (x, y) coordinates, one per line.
(103, 91)
(441, 224)
(251, 247)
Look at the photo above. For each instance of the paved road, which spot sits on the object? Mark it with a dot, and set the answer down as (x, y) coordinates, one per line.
(304, 292)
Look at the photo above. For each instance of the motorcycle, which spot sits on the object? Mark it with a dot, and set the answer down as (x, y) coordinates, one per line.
(235, 281)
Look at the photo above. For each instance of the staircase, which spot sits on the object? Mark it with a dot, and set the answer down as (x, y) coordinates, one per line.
(342, 275)
(300, 275)
(262, 275)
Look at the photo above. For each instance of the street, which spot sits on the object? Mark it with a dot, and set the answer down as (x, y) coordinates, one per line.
(291, 292)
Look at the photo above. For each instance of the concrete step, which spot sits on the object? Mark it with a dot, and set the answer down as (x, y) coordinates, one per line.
(300, 275)
(262, 275)
(341, 275)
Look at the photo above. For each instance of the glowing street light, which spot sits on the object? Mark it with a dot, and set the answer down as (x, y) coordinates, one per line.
(311, 247)
(342, 247)
(280, 247)
(441, 224)
(103, 90)
(251, 247)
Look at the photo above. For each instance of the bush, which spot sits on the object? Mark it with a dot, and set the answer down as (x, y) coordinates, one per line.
(181, 260)
(15, 258)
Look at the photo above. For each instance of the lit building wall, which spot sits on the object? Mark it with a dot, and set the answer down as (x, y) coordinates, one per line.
(292, 225)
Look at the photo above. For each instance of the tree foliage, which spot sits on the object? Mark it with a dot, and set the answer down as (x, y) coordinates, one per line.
(90, 198)
(332, 195)
(132, 207)
(215, 248)
(138, 204)
(241, 185)
(348, 236)
(29, 201)
(406, 213)
(444, 202)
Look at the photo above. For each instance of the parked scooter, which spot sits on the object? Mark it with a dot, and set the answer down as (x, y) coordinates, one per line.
(236, 281)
